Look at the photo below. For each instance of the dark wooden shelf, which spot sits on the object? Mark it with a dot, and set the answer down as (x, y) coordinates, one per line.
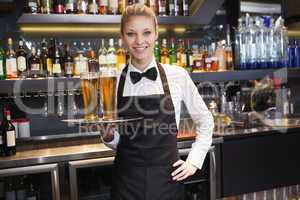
(102, 19)
(67, 84)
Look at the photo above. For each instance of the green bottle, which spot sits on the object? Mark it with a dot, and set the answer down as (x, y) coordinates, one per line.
(157, 51)
(172, 52)
(2, 64)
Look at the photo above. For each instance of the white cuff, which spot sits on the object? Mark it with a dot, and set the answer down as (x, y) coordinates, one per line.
(196, 158)
(114, 143)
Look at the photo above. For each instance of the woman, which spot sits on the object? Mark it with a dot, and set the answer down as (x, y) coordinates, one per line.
(147, 164)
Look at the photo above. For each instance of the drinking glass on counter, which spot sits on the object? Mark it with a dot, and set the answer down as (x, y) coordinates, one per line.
(108, 84)
(89, 82)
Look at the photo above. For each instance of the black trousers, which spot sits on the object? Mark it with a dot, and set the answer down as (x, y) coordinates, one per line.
(145, 183)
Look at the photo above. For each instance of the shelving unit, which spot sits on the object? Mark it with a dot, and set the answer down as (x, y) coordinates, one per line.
(102, 19)
(13, 87)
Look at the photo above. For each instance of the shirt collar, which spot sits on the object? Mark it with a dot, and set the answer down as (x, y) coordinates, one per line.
(131, 67)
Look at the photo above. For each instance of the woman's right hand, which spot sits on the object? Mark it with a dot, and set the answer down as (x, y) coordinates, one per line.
(107, 132)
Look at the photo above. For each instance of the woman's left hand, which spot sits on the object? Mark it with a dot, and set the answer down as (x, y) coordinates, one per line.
(184, 170)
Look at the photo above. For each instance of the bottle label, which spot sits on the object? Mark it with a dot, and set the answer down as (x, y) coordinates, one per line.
(93, 8)
(102, 60)
(21, 63)
(56, 68)
(69, 68)
(1, 68)
(103, 3)
(80, 66)
(111, 59)
(32, 4)
(11, 66)
(11, 138)
(69, 6)
(35, 67)
(162, 9)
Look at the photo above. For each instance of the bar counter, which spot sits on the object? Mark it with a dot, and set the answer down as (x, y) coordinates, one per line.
(99, 150)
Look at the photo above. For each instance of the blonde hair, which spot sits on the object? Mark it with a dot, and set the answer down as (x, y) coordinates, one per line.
(137, 9)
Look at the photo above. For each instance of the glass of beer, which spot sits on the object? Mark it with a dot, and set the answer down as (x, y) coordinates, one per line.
(108, 84)
(89, 82)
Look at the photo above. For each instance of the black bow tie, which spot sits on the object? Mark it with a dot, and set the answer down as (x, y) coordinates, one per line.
(150, 74)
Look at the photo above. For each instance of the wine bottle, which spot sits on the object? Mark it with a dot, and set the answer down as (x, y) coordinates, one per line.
(93, 63)
(11, 61)
(21, 61)
(34, 64)
(57, 69)
(68, 62)
(9, 134)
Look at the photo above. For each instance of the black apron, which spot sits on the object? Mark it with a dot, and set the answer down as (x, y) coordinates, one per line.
(148, 148)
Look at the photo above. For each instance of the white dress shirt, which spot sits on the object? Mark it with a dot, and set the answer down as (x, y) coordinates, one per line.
(182, 88)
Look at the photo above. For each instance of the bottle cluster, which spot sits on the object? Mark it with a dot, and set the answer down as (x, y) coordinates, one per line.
(195, 57)
(18, 187)
(261, 42)
(104, 7)
(54, 59)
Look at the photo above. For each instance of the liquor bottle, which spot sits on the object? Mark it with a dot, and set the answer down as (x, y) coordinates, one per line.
(46, 6)
(103, 7)
(68, 62)
(46, 61)
(172, 52)
(111, 54)
(93, 63)
(164, 53)
(221, 57)
(157, 51)
(57, 63)
(34, 64)
(189, 56)
(121, 56)
(112, 7)
(102, 54)
(81, 63)
(181, 55)
(93, 7)
(172, 7)
(162, 7)
(70, 6)
(2, 64)
(32, 194)
(228, 50)
(185, 8)
(59, 6)
(82, 6)
(153, 6)
(32, 6)
(21, 61)
(198, 62)
(11, 61)
(51, 55)
(9, 134)
(121, 6)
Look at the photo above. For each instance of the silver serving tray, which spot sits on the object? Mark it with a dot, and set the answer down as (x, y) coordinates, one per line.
(102, 121)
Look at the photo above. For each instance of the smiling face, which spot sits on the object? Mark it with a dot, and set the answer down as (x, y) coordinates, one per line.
(139, 35)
